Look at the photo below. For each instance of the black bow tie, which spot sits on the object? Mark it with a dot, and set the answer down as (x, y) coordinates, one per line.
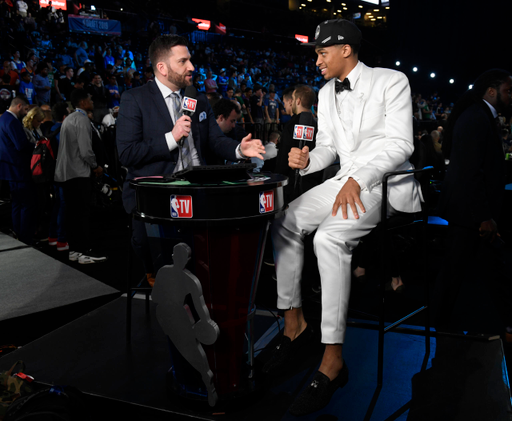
(341, 86)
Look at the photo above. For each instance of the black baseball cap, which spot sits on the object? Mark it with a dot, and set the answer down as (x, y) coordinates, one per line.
(336, 31)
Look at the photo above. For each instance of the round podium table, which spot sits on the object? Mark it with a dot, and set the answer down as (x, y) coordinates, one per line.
(225, 224)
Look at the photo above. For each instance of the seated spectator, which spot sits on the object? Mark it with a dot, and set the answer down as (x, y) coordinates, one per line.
(136, 81)
(209, 84)
(226, 113)
(65, 58)
(7, 70)
(110, 119)
(148, 74)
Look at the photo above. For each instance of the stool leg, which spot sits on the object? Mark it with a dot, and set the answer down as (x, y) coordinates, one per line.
(129, 290)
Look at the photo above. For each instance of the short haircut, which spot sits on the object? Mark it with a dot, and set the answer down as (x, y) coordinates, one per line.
(42, 65)
(162, 45)
(77, 96)
(274, 136)
(306, 94)
(6, 78)
(59, 111)
(19, 100)
(288, 92)
(493, 78)
(224, 107)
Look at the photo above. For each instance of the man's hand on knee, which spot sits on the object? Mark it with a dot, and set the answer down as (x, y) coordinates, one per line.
(348, 195)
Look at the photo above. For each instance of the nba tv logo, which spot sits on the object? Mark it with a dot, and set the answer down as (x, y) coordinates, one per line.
(189, 104)
(181, 206)
(301, 132)
(266, 201)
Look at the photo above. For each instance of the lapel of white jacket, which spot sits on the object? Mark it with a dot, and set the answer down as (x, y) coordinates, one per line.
(338, 133)
(365, 80)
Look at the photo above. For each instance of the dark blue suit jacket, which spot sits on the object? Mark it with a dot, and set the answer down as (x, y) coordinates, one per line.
(144, 120)
(15, 150)
(474, 184)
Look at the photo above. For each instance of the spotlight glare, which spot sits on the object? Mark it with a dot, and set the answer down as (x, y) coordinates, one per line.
(414, 69)
(432, 75)
(452, 81)
(470, 86)
(397, 63)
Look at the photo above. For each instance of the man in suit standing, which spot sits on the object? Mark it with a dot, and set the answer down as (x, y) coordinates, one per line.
(15, 155)
(365, 117)
(471, 196)
(150, 125)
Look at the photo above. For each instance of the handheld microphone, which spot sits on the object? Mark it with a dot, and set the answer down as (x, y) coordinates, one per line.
(303, 132)
(188, 105)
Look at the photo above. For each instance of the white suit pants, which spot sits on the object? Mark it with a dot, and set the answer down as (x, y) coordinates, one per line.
(334, 242)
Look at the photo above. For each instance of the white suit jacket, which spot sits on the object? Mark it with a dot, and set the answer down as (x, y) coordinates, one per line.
(382, 136)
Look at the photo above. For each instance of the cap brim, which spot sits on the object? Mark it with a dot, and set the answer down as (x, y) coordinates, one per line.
(309, 44)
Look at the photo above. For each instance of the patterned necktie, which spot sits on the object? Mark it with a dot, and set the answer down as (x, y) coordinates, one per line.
(186, 158)
(341, 86)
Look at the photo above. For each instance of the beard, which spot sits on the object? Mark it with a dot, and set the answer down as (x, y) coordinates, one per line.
(501, 106)
(181, 81)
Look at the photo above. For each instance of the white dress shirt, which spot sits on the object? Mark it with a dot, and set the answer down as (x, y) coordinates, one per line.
(169, 138)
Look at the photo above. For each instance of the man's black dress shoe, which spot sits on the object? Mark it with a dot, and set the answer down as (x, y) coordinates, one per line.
(285, 350)
(318, 393)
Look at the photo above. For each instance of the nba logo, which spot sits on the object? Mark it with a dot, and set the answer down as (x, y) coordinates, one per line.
(181, 206)
(308, 133)
(266, 201)
(189, 104)
(298, 132)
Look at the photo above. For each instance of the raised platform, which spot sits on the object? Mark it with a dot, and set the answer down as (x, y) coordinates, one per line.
(466, 379)
(38, 289)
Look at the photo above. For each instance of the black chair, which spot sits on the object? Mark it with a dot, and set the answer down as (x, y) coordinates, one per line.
(389, 226)
(386, 229)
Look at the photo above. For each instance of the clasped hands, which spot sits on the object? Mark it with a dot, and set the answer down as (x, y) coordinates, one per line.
(349, 194)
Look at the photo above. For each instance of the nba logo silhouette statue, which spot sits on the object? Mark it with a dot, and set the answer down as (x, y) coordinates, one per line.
(173, 284)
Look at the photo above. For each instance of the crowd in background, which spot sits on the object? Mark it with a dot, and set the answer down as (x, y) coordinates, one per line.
(44, 63)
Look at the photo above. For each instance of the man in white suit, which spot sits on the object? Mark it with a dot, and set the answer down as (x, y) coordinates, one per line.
(367, 121)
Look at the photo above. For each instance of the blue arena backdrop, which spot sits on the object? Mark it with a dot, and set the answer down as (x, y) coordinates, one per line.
(94, 25)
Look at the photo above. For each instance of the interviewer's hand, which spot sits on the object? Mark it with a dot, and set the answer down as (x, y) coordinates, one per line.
(182, 128)
(349, 195)
(488, 230)
(252, 148)
(298, 158)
